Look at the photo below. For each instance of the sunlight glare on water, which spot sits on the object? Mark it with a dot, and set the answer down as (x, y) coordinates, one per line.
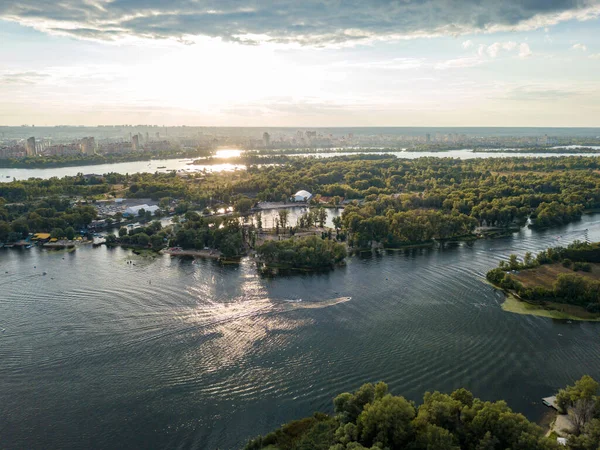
(228, 153)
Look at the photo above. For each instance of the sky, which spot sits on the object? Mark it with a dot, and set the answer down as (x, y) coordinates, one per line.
(311, 63)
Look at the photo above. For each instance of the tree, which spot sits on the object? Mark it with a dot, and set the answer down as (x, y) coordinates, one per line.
(347, 407)
(582, 412)
(579, 400)
(259, 220)
(156, 240)
(386, 422)
(322, 216)
(57, 233)
(243, 205)
(4, 231)
(589, 439)
(142, 239)
(283, 217)
(70, 233)
(337, 223)
(436, 438)
(122, 231)
(528, 259)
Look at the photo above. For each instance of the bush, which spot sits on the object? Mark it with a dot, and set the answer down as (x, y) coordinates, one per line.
(584, 267)
(567, 263)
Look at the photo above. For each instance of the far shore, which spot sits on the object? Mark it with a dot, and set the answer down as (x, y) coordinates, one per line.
(213, 254)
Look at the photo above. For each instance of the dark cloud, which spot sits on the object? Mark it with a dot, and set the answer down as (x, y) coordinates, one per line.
(305, 21)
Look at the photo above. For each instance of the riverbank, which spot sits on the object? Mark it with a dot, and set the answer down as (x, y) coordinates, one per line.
(91, 160)
(558, 311)
(561, 311)
(212, 254)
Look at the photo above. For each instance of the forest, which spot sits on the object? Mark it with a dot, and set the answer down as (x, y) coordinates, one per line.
(570, 288)
(373, 418)
(387, 200)
(310, 252)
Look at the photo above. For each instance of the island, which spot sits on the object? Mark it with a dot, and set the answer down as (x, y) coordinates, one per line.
(560, 282)
(308, 253)
(386, 203)
(373, 418)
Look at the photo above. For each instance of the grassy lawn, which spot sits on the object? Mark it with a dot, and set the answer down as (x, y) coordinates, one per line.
(558, 311)
(546, 275)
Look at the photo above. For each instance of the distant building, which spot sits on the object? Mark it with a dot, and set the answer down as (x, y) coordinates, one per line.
(30, 146)
(88, 145)
(135, 143)
(266, 139)
(301, 196)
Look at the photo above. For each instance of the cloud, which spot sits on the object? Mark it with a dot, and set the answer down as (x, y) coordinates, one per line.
(390, 64)
(467, 44)
(579, 46)
(524, 51)
(23, 78)
(496, 48)
(459, 63)
(595, 56)
(308, 22)
(543, 92)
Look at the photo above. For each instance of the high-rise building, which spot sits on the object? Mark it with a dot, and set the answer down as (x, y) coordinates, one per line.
(30, 146)
(135, 143)
(267, 139)
(88, 145)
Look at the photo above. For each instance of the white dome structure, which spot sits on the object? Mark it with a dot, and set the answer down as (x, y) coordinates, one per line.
(302, 196)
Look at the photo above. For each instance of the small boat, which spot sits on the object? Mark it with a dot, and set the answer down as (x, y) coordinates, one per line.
(161, 167)
(28, 246)
(44, 274)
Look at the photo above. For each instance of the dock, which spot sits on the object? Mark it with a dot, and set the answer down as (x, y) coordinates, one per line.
(550, 402)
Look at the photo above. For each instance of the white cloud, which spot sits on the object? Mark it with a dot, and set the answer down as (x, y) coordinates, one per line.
(459, 63)
(524, 50)
(495, 48)
(467, 44)
(579, 46)
(595, 56)
(391, 64)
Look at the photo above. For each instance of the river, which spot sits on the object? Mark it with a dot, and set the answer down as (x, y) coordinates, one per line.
(168, 353)
(185, 164)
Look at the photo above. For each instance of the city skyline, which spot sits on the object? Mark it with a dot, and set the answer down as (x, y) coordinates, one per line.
(435, 63)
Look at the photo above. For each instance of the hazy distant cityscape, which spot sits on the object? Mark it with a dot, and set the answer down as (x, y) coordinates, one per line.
(31, 141)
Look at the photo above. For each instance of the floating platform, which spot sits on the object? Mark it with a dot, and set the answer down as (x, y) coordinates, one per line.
(550, 402)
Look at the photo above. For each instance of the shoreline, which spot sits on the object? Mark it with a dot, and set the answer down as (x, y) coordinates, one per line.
(210, 254)
(514, 304)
